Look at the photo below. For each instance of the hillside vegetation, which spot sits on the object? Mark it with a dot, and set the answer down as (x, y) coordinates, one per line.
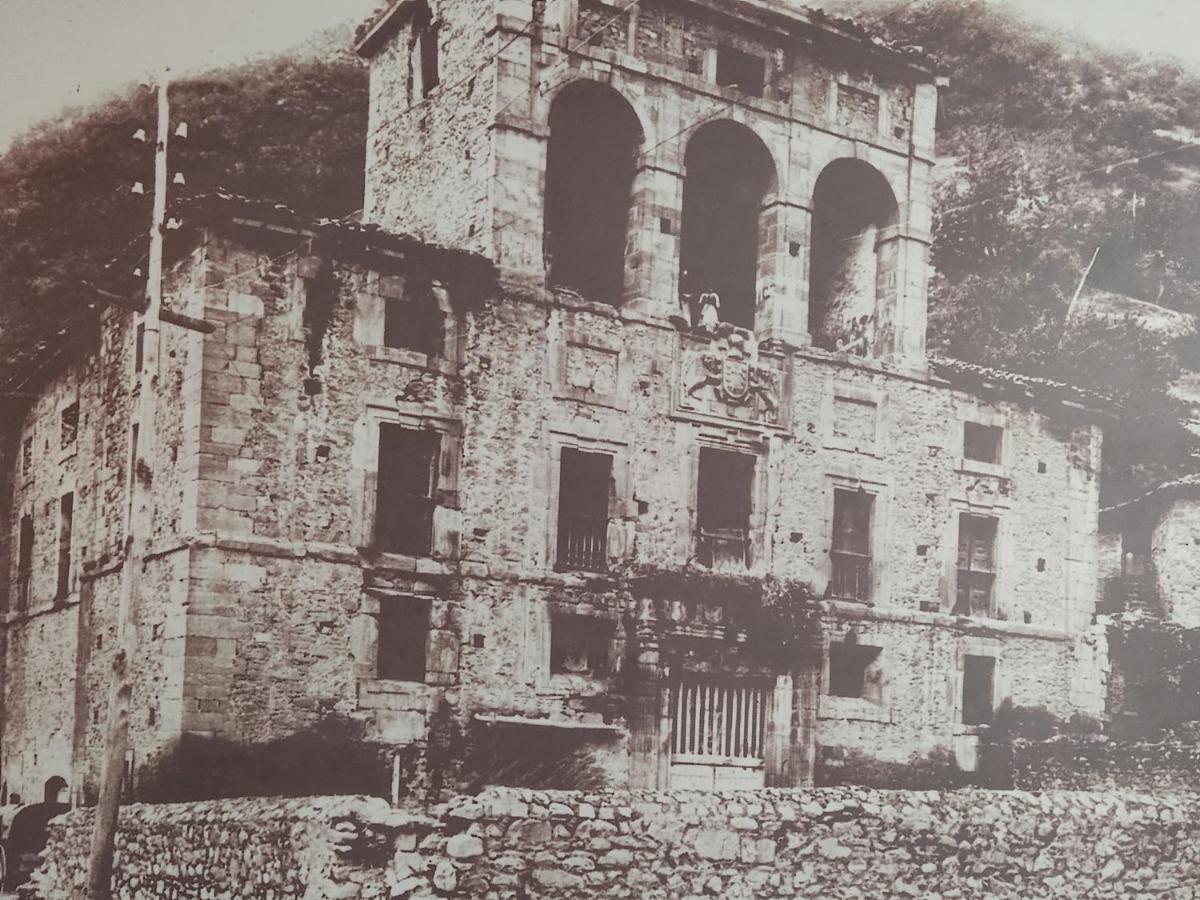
(1037, 132)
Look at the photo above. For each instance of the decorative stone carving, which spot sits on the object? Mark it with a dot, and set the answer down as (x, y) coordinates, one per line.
(724, 376)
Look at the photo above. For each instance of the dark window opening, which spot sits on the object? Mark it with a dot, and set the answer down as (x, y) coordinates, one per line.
(851, 551)
(403, 638)
(1137, 550)
(745, 71)
(976, 566)
(982, 442)
(854, 671)
(24, 562)
(724, 500)
(728, 175)
(26, 455)
(849, 273)
(414, 323)
(590, 166)
(583, 494)
(69, 422)
(428, 43)
(979, 676)
(66, 516)
(580, 645)
(139, 347)
(407, 481)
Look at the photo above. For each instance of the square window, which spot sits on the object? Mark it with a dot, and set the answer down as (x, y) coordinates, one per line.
(583, 492)
(979, 676)
(854, 671)
(724, 500)
(414, 323)
(851, 551)
(976, 565)
(744, 71)
(69, 425)
(580, 645)
(406, 485)
(403, 637)
(982, 442)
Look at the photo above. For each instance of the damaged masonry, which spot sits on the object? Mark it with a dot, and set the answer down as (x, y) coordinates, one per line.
(636, 453)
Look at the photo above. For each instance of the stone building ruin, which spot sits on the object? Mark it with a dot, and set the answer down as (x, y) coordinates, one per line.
(630, 345)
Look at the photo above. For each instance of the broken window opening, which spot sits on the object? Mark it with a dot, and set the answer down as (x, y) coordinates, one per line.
(981, 443)
(590, 166)
(403, 639)
(854, 671)
(25, 563)
(851, 276)
(978, 701)
(724, 501)
(585, 485)
(415, 322)
(407, 481)
(851, 552)
(747, 72)
(580, 645)
(66, 516)
(725, 233)
(976, 566)
(69, 425)
(320, 297)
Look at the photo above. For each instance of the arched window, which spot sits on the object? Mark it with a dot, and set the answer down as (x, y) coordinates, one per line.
(55, 790)
(729, 173)
(591, 161)
(853, 206)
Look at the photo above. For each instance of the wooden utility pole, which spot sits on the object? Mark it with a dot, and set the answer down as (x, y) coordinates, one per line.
(104, 828)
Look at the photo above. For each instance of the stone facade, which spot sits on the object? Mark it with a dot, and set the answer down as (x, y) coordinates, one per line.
(302, 566)
(843, 843)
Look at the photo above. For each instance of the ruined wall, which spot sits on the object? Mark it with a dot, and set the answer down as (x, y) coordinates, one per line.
(1176, 554)
(838, 843)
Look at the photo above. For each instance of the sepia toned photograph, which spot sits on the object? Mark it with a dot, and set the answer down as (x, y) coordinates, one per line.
(599, 450)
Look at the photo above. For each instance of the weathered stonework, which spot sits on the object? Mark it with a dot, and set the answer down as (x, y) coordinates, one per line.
(269, 582)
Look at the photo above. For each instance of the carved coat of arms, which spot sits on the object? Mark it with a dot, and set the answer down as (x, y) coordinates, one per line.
(730, 370)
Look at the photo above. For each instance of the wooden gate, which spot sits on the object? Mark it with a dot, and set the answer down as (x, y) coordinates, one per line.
(718, 734)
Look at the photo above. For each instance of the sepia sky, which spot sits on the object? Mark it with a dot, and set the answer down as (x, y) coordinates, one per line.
(56, 54)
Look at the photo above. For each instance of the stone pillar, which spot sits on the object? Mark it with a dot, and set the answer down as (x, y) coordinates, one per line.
(778, 763)
(652, 246)
(648, 758)
(518, 203)
(782, 315)
(806, 682)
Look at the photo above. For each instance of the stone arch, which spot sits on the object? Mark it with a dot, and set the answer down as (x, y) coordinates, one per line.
(54, 791)
(852, 274)
(595, 136)
(726, 240)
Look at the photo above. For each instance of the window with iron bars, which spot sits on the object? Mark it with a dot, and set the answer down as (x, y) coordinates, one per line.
(583, 495)
(851, 551)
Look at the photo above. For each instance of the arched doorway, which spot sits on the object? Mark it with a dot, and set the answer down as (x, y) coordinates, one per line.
(853, 206)
(729, 174)
(590, 165)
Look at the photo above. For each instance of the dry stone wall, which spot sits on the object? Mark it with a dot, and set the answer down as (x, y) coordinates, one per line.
(507, 843)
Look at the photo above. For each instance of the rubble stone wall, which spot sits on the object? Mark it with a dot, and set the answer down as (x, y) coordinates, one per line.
(834, 843)
(1177, 562)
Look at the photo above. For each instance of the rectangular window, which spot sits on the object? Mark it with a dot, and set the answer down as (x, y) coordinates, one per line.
(69, 425)
(976, 565)
(724, 500)
(414, 323)
(742, 70)
(24, 562)
(407, 481)
(139, 347)
(27, 455)
(854, 671)
(982, 442)
(403, 637)
(851, 551)
(430, 77)
(66, 516)
(580, 645)
(583, 492)
(979, 676)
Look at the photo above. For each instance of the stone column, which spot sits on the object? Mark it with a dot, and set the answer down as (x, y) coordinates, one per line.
(648, 759)
(784, 236)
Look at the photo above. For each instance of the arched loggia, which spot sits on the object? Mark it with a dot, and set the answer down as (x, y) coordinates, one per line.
(853, 209)
(591, 162)
(729, 174)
